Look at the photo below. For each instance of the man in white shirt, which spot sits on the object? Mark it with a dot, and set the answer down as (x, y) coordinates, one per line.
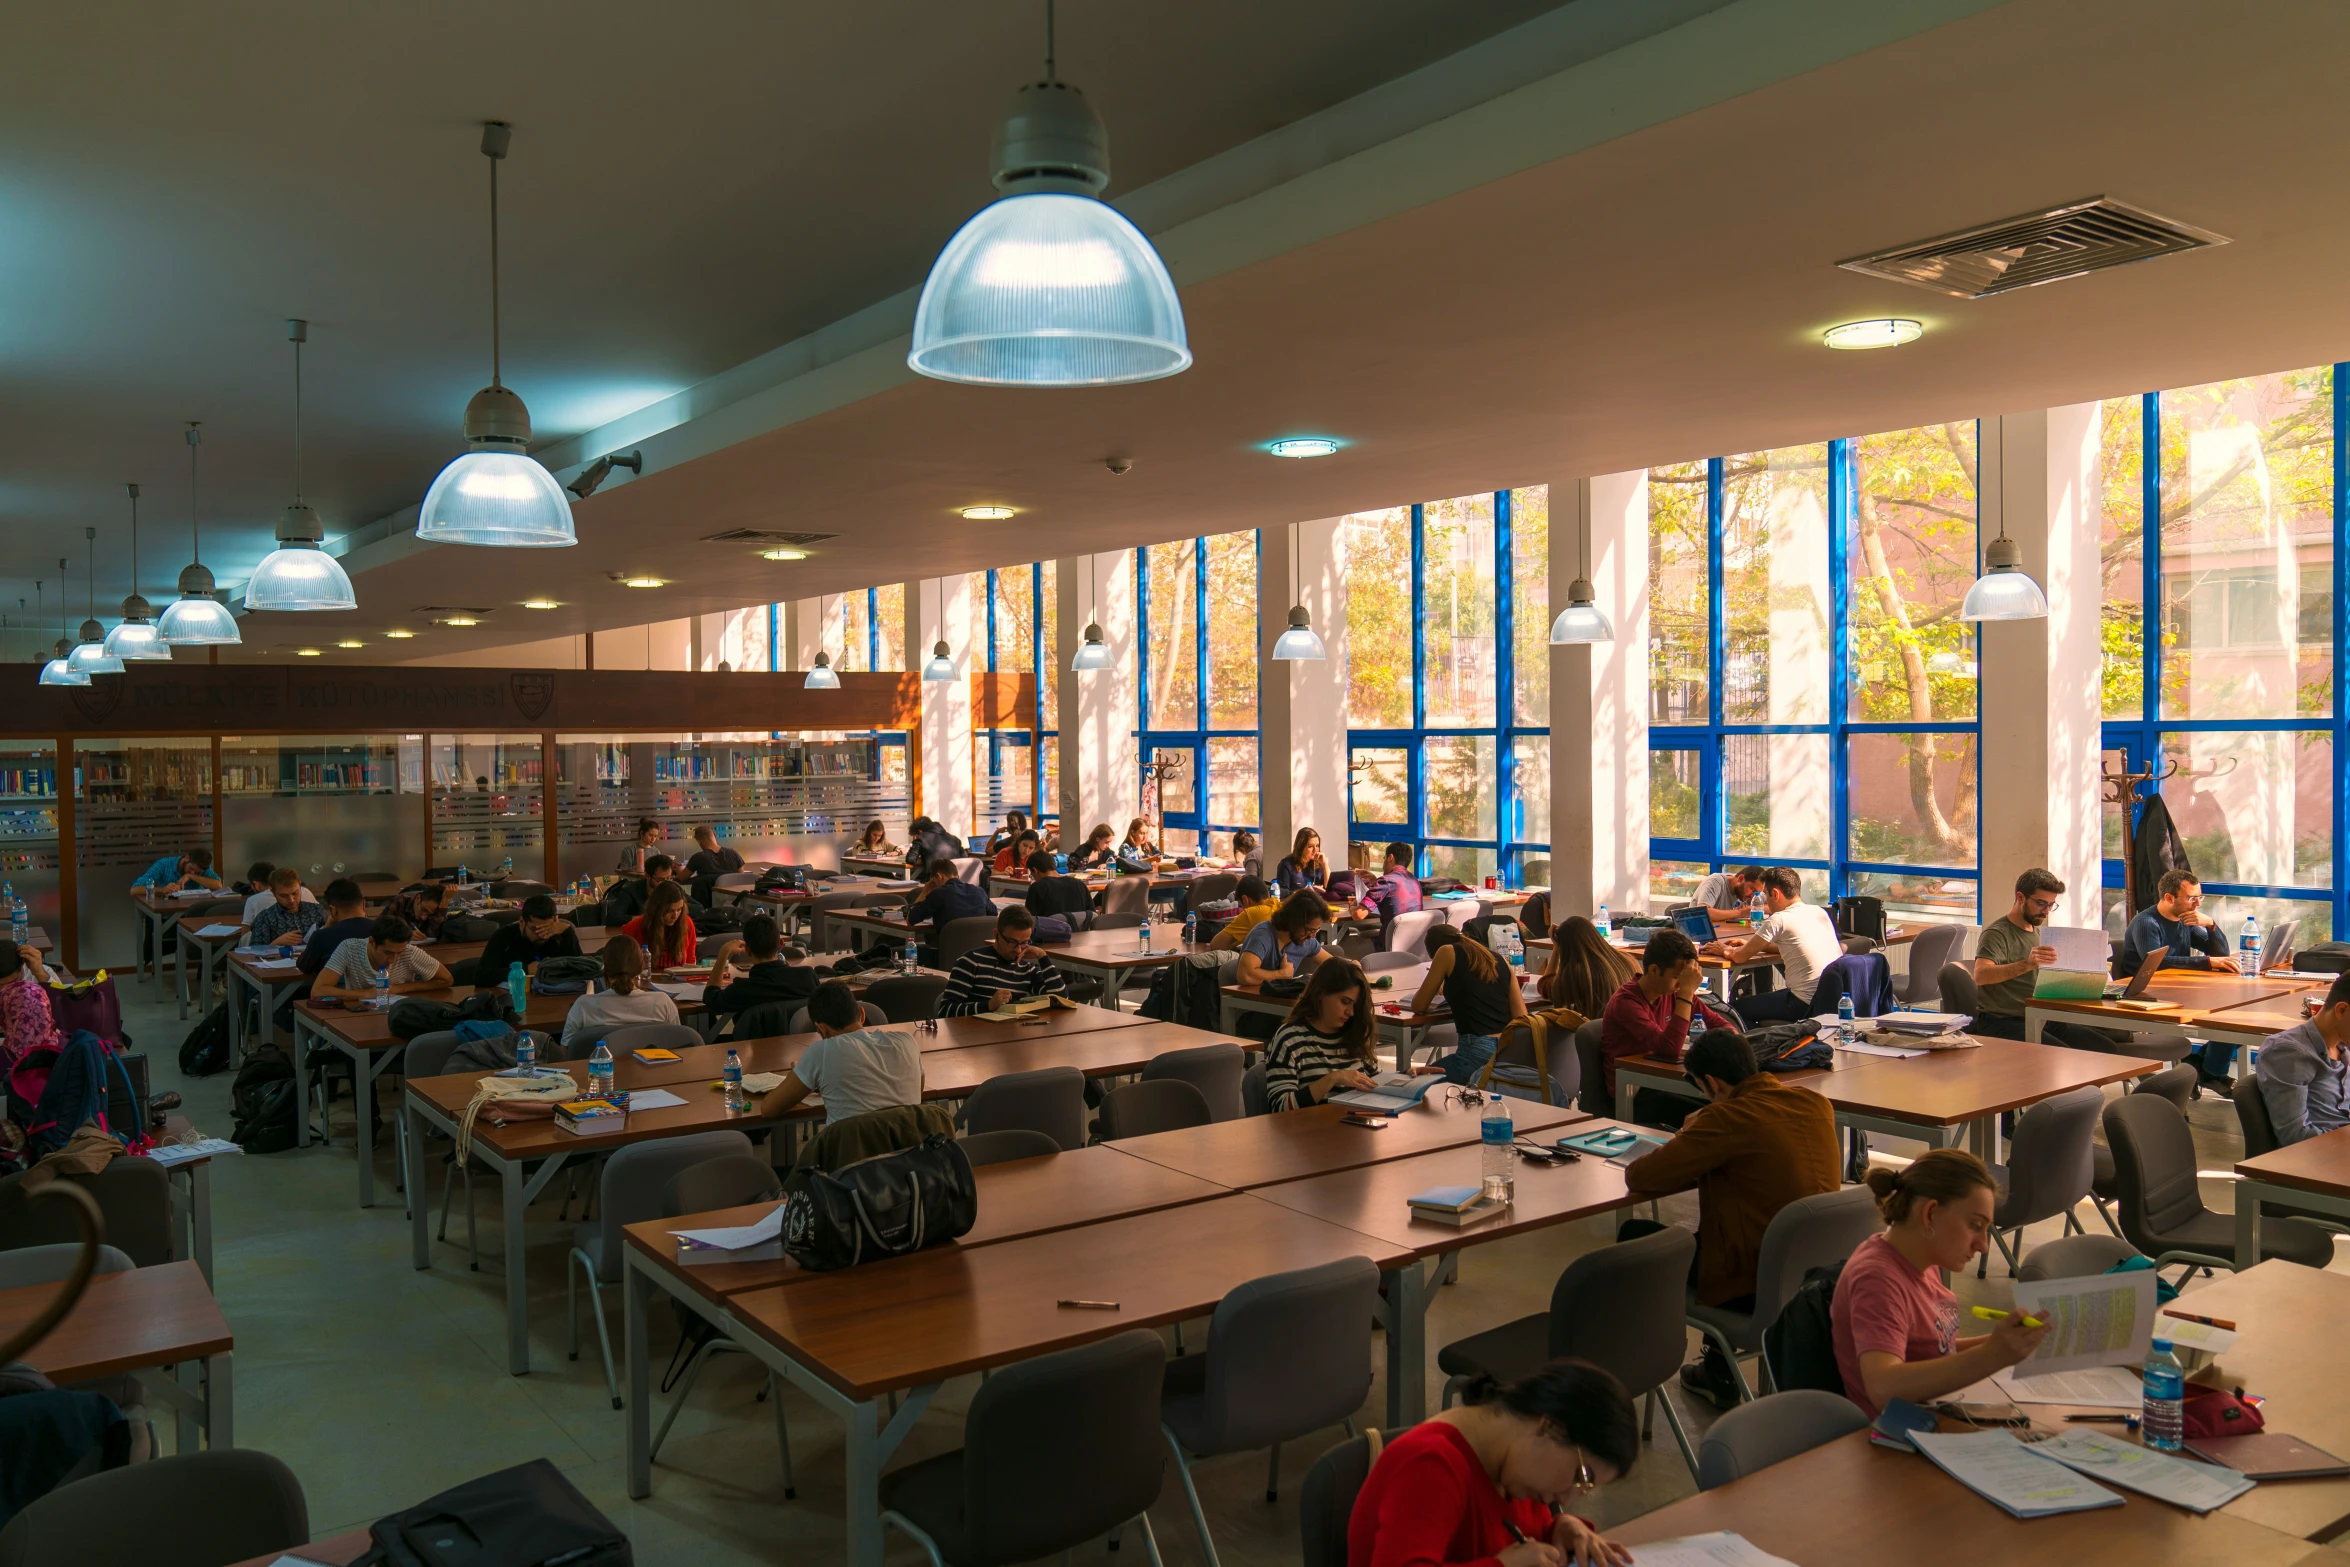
(350, 974)
(1799, 935)
(855, 1069)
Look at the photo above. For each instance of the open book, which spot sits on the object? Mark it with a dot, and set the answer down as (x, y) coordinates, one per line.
(1028, 1007)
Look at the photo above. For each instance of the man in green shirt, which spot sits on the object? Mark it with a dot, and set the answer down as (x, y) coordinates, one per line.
(2010, 955)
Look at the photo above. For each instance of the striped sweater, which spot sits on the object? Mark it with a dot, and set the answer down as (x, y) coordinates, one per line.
(981, 972)
(1298, 1058)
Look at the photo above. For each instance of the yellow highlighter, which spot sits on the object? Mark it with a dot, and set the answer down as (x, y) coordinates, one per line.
(1990, 1314)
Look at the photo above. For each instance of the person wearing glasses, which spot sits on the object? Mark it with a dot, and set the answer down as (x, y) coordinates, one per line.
(1490, 1479)
(2177, 921)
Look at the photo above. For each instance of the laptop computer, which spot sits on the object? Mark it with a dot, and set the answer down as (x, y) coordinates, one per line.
(2128, 995)
(1696, 924)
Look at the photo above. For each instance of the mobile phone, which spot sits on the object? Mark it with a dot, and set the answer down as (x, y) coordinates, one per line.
(1377, 1123)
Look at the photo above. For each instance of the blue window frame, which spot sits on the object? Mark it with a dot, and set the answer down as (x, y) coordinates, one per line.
(1179, 760)
(1009, 764)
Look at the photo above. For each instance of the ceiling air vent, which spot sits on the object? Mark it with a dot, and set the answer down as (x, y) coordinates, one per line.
(2037, 247)
(450, 609)
(765, 536)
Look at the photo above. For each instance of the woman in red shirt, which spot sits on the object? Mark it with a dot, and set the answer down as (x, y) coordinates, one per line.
(1484, 1484)
(666, 929)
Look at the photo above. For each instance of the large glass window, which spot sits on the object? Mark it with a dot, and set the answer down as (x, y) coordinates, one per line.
(1912, 659)
(1456, 612)
(1530, 618)
(1379, 639)
(1198, 680)
(1775, 598)
(1232, 642)
(1680, 584)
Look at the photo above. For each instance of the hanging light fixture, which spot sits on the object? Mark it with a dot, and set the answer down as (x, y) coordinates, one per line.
(58, 672)
(497, 493)
(1093, 652)
(1300, 643)
(821, 676)
(2003, 591)
(1049, 285)
(196, 618)
(89, 656)
(299, 574)
(136, 639)
(942, 657)
(1581, 620)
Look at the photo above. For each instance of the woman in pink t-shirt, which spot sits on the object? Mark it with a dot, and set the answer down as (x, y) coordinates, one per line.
(1896, 1321)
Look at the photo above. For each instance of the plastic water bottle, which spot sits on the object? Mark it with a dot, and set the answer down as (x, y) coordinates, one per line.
(1146, 935)
(526, 1051)
(1190, 929)
(1060, 865)
(1606, 929)
(462, 878)
(20, 919)
(1496, 1131)
(2164, 1415)
(1756, 911)
(2248, 945)
(1844, 1011)
(518, 988)
(506, 870)
(600, 1071)
(383, 988)
(909, 957)
(735, 1098)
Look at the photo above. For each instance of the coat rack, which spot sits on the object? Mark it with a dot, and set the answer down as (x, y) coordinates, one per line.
(2121, 789)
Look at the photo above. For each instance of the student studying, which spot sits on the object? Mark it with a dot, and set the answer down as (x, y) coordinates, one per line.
(539, 934)
(1326, 1044)
(1479, 990)
(1800, 935)
(626, 999)
(350, 973)
(855, 1069)
(1303, 865)
(287, 916)
(192, 868)
(2304, 1072)
(1284, 943)
(766, 977)
(998, 972)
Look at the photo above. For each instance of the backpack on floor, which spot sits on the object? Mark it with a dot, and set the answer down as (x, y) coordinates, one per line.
(205, 1050)
(56, 1090)
(264, 1102)
(526, 1516)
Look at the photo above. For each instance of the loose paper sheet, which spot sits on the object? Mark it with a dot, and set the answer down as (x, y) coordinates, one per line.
(274, 964)
(651, 1099)
(1895, 1051)
(218, 929)
(2183, 1482)
(2003, 1471)
(2091, 1387)
(736, 1237)
(2106, 1319)
(1705, 1550)
(2078, 950)
(2196, 1335)
(170, 1154)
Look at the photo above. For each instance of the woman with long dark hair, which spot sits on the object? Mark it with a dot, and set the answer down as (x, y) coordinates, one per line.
(1303, 865)
(1583, 970)
(1481, 992)
(1325, 1044)
(666, 928)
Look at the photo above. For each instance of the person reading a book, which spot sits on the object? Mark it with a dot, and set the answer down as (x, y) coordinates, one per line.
(1489, 1480)
(1326, 1043)
(1005, 969)
(386, 949)
(856, 1069)
(1756, 1146)
(766, 977)
(1286, 943)
(1895, 1321)
(1481, 992)
(2010, 956)
(627, 998)
(541, 933)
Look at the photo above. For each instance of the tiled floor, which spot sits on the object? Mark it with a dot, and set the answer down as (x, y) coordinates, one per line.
(381, 1385)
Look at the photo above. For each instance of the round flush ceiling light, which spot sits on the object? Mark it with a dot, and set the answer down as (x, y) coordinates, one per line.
(542, 604)
(986, 513)
(306, 652)
(644, 582)
(350, 642)
(399, 636)
(783, 554)
(1303, 446)
(1891, 332)
(460, 620)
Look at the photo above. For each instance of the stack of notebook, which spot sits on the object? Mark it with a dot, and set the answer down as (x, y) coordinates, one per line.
(1455, 1205)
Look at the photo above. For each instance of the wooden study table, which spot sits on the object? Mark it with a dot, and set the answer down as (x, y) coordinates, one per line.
(146, 1321)
(1260, 1150)
(875, 864)
(2203, 1002)
(1110, 956)
(154, 912)
(207, 949)
(2313, 1173)
(1391, 1016)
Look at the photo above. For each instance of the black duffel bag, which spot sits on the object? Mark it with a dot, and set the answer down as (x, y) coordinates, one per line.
(413, 1016)
(526, 1516)
(885, 1206)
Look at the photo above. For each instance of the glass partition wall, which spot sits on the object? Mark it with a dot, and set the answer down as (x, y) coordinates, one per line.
(330, 805)
(134, 802)
(28, 829)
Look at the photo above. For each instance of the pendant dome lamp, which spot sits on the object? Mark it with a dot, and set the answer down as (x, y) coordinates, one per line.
(89, 656)
(2003, 591)
(1049, 285)
(1582, 620)
(57, 672)
(496, 494)
(1300, 643)
(197, 618)
(821, 676)
(942, 658)
(1093, 653)
(135, 639)
(299, 574)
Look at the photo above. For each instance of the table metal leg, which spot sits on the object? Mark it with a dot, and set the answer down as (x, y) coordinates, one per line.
(193, 1209)
(419, 1189)
(2248, 1195)
(1407, 1347)
(302, 1086)
(179, 974)
(517, 1286)
(636, 1302)
(861, 1454)
(219, 1404)
(365, 1066)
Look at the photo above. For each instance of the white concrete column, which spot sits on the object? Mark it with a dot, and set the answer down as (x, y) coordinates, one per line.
(1599, 701)
(1302, 750)
(2041, 720)
(941, 610)
(1100, 767)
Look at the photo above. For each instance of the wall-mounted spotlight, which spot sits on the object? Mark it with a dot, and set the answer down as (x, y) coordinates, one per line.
(594, 474)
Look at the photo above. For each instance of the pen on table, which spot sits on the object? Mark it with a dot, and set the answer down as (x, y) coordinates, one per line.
(2102, 1420)
(1992, 1314)
(1091, 1305)
(2221, 1323)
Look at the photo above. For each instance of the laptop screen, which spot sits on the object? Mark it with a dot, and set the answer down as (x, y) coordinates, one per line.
(1696, 924)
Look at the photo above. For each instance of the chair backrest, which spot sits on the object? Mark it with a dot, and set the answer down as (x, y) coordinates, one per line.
(1864, 976)
(468, 927)
(770, 1018)
(1211, 889)
(957, 937)
(1108, 922)
(728, 1181)
(1009, 1143)
(1164, 1104)
(798, 1022)
(636, 1178)
(1215, 1070)
(2049, 1164)
(427, 1055)
(819, 928)
(971, 870)
(1409, 933)
(1590, 1061)
(193, 1510)
(1458, 912)
(1935, 946)
(1373, 962)
(29, 1265)
(1286, 1355)
(1050, 1100)
(518, 888)
(2153, 1168)
(1860, 915)
(1757, 1435)
(464, 972)
(134, 1199)
(1956, 984)
(706, 947)
(1326, 1501)
(1621, 1307)
(2074, 1257)
(1810, 1232)
(1062, 1449)
(906, 998)
(651, 1036)
(1253, 1100)
(2260, 1133)
(2176, 1083)
(1127, 895)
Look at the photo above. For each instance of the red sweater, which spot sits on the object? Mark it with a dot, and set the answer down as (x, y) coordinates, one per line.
(1429, 1503)
(1633, 1025)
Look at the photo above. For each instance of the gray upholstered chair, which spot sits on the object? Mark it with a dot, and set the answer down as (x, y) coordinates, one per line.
(1127, 895)
(1935, 945)
(1050, 1100)
(728, 1180)
(1215, 1070)
(1591, 1071)
(1960, 993)
(1613, 1307)
(650, 1036)
(1253, 1100)
(1326, 1501)
(1409, 933)
(957, 937)
(634, 1178)
(1001, 1147)
(196, 1510)
(30, 1265)
(2049, 1169)
(2179, 1085)
(906, 998)
(1056, 1451)
(2074, 1257)
(820, 935)
(1810, 1232)
(1285, 1357)
(1759, 1434)
(2159, 1200)
(133, 1197)
(1373, 962)
(1164, 1105)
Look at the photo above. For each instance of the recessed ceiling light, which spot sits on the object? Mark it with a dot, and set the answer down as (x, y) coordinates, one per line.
(1303, 446)
(644, 582)
(306, 652)
(986, 513)
(778, 554)
(1889, 333)
(461, 620)
(350, 642)
(541, 604)
(399, 636)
